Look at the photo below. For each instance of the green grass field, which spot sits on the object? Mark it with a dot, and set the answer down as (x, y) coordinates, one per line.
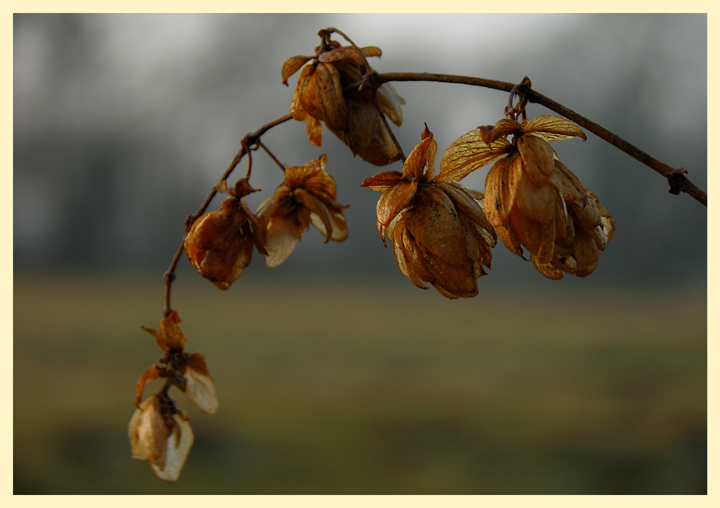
(366, 390)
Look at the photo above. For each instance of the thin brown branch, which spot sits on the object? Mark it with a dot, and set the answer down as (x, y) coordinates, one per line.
(248, 141)
(272, 156)
(676, 176)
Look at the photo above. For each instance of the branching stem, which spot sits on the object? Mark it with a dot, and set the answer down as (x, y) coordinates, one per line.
(272, 156)
(676, 176)
(248, 141)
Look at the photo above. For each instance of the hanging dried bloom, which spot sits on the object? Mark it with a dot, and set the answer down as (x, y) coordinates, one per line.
(305, 197)
(438, 229)
(220, 243)
(329, 90)
(158, 431)
(533, 200)
(161, 435)
(186, 371)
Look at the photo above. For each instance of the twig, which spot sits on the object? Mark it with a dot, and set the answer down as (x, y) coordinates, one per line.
(272, 156)
(676, 176)
(247, 141)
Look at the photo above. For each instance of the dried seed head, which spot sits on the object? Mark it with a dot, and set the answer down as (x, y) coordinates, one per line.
(533, 200)
(220, 243)
(335, 88)
(437, 228)
(305, 197)
(160, 436)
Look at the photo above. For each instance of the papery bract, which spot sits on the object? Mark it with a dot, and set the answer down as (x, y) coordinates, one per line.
(160, 436)
(186, 371)
(305, 197)
(437, 228)
(328, 90)
(220, 243)
(532, 199)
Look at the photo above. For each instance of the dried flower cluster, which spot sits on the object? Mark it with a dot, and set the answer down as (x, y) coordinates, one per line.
(220, 243)
(533, 200)
(441, 232)
(437, 228)
(305, 197)
(334, 88)
(158, 431)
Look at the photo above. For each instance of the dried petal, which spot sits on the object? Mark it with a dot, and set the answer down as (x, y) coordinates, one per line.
(177, 448)
(281, 240)
(536, 203)
(553, 128)
(292, 65)
(382, 181)
(586, 253)
(420, 164)
(547, 269)
(339, 231)
(395, 199)
(146, 431)
(150, 374)
(586, 213)
(323, 97)
(538, 159)
(317, 208)
(313, 128)
(608, 223)
(390, 103)
(371, 51)
(547, 242)
(501, 186)
(567, 183)
(200, 387)
(526, 230)
(406, 254)
(170, 338)
(504, 128)
(468, 153)
(509, 240)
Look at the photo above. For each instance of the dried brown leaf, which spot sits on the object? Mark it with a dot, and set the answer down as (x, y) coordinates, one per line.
(553, 128)
(468, 153)
(292, 65)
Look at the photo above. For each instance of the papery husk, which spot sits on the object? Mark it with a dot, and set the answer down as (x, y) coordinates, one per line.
(538, 159)
(306, 197)
(199, 385)
(220, 243)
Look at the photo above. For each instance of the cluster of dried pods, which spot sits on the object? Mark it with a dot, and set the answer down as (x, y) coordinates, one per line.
(441, 232)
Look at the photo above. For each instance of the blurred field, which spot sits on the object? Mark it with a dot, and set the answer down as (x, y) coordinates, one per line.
(365, 390)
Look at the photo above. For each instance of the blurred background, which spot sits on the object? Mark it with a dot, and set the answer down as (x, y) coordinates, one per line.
(335, 374)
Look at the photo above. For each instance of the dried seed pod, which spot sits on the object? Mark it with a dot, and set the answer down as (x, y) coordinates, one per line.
(534, 201)
(220, 243)
(438, 229)
(160, 436)
(329, 91)
(306, 197)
